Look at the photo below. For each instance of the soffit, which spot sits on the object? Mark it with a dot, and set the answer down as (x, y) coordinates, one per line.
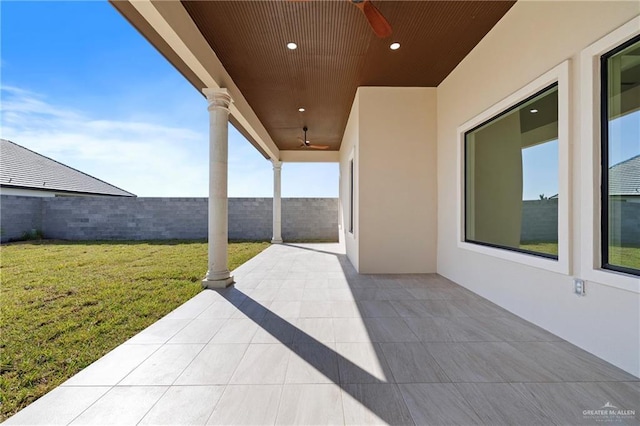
(337, 52)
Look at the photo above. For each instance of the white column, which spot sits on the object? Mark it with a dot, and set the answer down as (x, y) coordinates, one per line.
(277, 211)
(218, 275)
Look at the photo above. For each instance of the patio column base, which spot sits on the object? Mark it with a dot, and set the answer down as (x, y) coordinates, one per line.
(221, 283)
(276, 241)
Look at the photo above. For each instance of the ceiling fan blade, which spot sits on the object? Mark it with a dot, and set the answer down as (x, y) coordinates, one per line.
(306, 144)
(378, 22)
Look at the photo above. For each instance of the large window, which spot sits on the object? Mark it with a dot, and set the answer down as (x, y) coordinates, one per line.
(621, 158)
(511, 178)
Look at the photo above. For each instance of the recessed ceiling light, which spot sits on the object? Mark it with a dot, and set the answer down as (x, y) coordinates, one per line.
(301, 109)
(292, 46)
(394, 46)
(533, 111)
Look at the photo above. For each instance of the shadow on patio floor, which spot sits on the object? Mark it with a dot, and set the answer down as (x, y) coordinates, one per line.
(303, 339)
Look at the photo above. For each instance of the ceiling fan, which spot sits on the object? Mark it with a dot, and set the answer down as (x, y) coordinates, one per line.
(306, 144)
(377, 21)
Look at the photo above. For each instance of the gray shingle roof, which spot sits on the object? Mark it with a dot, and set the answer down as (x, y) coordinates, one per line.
(23, 168)
(624, 177)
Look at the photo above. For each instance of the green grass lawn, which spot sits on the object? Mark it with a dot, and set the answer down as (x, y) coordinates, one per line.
(63, 305)
(619, 256)
(625, 256)
(548, 248)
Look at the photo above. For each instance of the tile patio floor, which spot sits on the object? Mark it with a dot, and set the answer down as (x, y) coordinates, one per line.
(304, 339)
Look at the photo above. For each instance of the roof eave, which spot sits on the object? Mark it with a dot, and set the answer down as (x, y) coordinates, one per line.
(170, 29)
(102, 194)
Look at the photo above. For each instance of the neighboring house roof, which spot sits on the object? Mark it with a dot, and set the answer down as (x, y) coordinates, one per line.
(23, 168)
(624, 177)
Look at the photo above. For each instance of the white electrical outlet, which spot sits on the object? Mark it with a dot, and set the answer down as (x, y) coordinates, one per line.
(578, 286)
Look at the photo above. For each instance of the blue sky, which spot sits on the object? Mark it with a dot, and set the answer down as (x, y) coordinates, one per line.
(540, 170)
(540, 162)
(624, 138)
(80, 85)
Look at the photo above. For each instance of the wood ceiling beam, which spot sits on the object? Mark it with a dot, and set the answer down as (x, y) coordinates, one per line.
(309, 156)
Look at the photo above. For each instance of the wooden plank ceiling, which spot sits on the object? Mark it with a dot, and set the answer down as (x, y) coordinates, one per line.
(337, 52)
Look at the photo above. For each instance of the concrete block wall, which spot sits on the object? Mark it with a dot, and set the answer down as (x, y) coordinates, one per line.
(19, 215)
(105, 218)
(626, 229)
(309, 219)
(114, 218)
(251, 218)
(539, 221)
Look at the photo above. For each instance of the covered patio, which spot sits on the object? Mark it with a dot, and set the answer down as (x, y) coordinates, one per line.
(370, 330)
(302, 338)
(421, 189)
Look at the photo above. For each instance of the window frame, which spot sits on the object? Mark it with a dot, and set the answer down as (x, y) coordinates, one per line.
(351, 196)
(494, 118)
(590, 178)
(604, 159)
(558, 75)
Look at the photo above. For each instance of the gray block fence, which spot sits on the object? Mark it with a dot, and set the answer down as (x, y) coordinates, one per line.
(120, 218)
(540, 221)
(19, 215)
(624, 218)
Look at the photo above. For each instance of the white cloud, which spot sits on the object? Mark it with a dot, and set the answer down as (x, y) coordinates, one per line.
(150, 157)
(145, 158)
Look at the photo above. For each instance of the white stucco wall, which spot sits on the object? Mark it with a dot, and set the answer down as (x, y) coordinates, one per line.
(532, 38)
(398, 235)
(393, 131)
(349, 150)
